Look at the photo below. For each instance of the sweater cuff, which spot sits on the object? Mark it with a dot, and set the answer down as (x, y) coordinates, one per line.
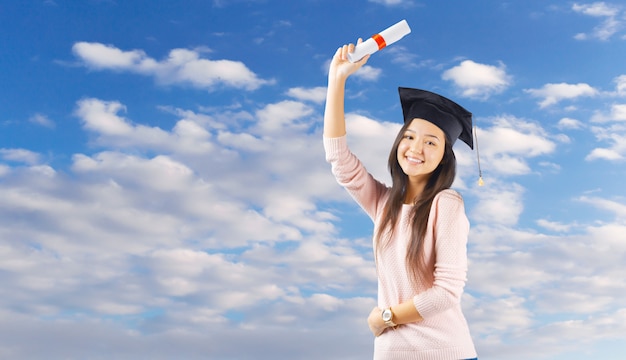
(423, 306)
(334, 147)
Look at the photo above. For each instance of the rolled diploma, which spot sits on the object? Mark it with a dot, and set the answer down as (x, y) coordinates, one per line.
(378, 41)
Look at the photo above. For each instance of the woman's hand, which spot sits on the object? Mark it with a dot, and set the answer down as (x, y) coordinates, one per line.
(375, 322)
(341, 67)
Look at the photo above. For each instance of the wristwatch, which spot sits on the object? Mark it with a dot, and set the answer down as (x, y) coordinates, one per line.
(388, 318)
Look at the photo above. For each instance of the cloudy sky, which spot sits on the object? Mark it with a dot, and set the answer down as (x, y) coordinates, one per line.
(164, 194)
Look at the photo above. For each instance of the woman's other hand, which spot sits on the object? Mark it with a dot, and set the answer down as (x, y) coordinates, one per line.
(375, 322)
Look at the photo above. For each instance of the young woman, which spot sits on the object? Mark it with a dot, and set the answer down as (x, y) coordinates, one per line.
(420, 226)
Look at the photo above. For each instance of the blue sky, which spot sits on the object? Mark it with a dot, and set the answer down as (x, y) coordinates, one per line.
(163, 190)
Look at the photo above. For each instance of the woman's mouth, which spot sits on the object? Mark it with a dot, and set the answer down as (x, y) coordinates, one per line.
(413, 160)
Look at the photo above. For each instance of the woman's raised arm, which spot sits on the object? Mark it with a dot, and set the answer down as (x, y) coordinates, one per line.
(340, 69)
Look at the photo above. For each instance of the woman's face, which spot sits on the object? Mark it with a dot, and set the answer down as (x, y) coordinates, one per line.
(421, 149)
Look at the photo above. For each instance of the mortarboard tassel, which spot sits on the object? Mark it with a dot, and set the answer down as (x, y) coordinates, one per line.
(480, 173)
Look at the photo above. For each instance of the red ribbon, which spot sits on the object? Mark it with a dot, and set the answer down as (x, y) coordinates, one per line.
(379, 40)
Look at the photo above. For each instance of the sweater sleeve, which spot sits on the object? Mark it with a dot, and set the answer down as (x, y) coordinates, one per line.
(450, 232)
(353, 176)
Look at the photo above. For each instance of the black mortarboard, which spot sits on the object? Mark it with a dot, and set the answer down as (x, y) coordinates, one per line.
(454, 120)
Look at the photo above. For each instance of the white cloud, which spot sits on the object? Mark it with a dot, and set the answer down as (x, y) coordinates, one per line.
(371, 140)
(43, 120)
(181, 67)
(391, 2)
(368, 73)
(402, 55)
(616, 207)
(602, 153)
(617, 113)
(506, 147)
(284, 115)
(20, 155)
(316, 95)
(507, 314)
(620, 85)
(554, 226)
(499, 204)
(243, 141)
(101, 118)
(569, 123)
(553, 93)
(165, 173)
(99, 56)
(596, 9)
(509, 267)
(609, 127)
(478, 80)
(610, 25)
(615, 135)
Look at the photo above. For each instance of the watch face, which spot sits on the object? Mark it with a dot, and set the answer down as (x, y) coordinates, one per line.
(386, 315)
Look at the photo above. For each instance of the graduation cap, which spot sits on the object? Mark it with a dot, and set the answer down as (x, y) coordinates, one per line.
(450, 117)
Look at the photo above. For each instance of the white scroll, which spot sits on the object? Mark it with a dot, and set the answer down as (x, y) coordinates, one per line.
(380, 40)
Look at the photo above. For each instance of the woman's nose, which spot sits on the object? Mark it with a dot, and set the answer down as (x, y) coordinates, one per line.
(417, 147)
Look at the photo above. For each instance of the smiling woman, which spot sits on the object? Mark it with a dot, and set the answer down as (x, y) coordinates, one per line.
(420, 226)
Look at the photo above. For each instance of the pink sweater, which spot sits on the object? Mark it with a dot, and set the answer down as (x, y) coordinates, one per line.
(443, 334)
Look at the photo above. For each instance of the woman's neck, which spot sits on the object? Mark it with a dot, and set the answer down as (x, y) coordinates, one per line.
(414, 190)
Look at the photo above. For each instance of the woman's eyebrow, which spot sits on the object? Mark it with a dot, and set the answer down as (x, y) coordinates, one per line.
(429, 135)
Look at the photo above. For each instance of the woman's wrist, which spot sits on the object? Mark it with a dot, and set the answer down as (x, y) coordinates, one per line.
(337, 80)
(387, 316)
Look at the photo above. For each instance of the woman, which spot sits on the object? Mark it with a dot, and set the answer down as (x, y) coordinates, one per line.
(420, 226)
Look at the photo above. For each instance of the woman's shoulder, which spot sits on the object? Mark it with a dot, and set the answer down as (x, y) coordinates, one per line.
(449, 194)
(448, 199)
(449, 204)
